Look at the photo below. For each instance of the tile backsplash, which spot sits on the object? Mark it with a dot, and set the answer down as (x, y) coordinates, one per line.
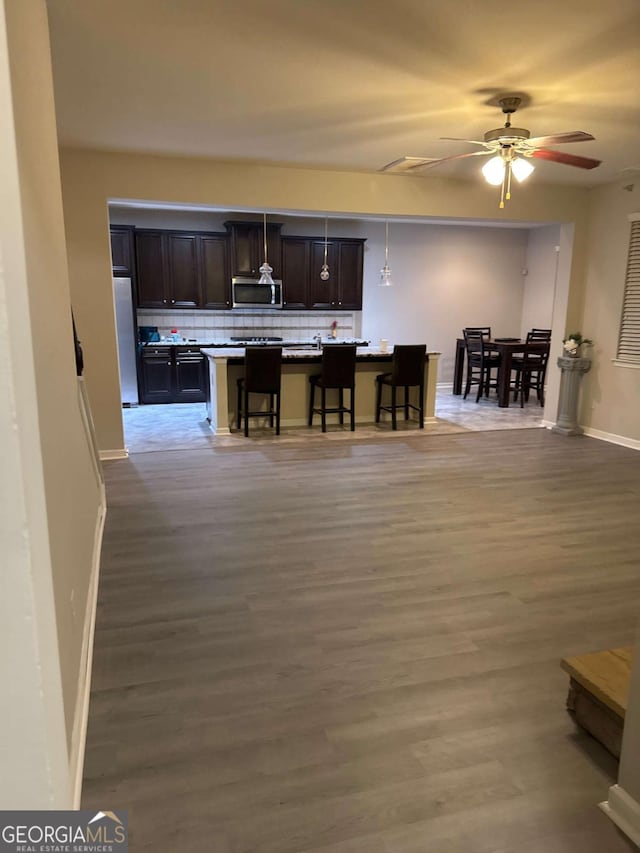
(218, 325)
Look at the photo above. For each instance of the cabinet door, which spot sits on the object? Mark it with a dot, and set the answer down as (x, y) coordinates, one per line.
(247, 248)
(157, 375)
(244, 245)
(121, 252)
(295, 272)
(350, 257)
(184, 284)
(215, 278)
(322, 294)
(191, 377)
(152, 285)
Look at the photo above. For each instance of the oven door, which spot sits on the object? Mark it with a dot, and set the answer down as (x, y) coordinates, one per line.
(247, 293)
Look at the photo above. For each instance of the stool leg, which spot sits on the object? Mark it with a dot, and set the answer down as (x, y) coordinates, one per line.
(312, 394)
(406, 402)
(278, 413)
(323, 414)
(421, 405)
(394, 419)
(239, 407)
(271, 410)
(353, 407)
(378, 399)
(246, 412)
(341, 405)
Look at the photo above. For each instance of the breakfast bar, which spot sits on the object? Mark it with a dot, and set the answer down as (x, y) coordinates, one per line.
(226, 365)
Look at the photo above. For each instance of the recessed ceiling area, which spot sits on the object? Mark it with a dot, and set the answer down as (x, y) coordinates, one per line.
(351, 86)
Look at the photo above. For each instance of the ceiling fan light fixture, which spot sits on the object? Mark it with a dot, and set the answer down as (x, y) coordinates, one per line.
(493, 171)
(521, 169)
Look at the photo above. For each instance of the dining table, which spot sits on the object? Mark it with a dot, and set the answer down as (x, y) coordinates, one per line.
(506, 348)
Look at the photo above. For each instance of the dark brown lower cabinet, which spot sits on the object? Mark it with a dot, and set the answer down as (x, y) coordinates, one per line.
(191, 376)
(173, 375)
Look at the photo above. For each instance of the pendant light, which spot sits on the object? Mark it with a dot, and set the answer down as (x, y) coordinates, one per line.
(324, 272)
(385, 272)
(265, 269)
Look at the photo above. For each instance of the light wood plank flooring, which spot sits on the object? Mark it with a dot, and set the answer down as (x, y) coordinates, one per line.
(354, 646)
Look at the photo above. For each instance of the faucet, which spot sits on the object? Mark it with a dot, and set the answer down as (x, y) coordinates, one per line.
(318, 339)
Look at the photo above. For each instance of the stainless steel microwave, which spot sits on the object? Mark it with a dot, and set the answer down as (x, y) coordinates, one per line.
(247, 293)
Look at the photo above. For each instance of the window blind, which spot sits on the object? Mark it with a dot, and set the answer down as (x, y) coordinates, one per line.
(629, 340)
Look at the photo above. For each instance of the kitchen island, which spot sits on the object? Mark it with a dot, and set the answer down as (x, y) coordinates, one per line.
(226, 365)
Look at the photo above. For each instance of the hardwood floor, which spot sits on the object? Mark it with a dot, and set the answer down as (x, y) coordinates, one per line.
(354, 646)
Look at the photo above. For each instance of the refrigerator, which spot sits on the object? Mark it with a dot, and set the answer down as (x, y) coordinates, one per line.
(127, 340)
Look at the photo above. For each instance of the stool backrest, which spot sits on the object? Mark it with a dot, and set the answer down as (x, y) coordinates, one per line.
(475, 340)
(338, 365)
(539, 335)
(486, 330)
(534, 359)
(407, 366)
(262, 369)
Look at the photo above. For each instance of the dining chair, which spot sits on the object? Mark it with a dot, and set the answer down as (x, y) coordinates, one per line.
(337, 371)
(407, 371)
(480, 363)
(262, 375)
(530, 372)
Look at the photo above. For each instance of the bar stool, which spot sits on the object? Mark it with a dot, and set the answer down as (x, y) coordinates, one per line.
(262, 375)
(338, 371)
(407, 371)
(480, 363)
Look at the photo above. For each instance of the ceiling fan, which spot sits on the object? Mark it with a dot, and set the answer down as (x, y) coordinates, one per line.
(509, 147)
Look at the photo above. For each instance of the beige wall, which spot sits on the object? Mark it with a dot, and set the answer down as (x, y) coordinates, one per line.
(611, 394)
(91, 179)
(49, 486)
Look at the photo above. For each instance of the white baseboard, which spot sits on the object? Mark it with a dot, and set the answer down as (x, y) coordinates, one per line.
(81, 715)
(108, 455)
(624, 811)
(612, 438)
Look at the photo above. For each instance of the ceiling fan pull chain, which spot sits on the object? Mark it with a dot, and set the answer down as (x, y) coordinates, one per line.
(504, 175)
(508, 176)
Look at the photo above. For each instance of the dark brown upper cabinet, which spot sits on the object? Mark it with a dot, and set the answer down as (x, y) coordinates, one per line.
(183, 273)
(122, 251)
(214, 270)
(171, 269)
(151, 262)
(343, 290)
(247, 247)
(295, 272)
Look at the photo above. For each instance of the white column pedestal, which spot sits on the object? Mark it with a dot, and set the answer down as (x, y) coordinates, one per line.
(572, 372)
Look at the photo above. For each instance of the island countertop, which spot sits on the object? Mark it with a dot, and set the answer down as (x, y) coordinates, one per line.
(306, 353)
(226, 366)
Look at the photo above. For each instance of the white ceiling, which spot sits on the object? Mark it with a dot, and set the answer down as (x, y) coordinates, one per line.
(347, 84)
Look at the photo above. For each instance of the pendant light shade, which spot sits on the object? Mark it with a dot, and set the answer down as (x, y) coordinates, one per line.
(385, 272)
(265, 269)
(324, 272)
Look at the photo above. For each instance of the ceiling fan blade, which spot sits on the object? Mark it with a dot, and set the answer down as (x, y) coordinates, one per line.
(566, 159)
(561, 138)
(405, 164)
(416, 164)
(458, 139)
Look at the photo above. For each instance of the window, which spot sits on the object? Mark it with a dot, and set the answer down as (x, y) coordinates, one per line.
(629, 340)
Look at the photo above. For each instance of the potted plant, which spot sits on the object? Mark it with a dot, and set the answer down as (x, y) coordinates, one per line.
(573, 344)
